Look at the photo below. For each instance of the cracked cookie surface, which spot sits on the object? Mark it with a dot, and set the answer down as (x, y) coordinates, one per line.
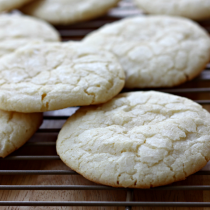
(193, 9)
(155, 51)
(137, 140)
(18, 30)
(49, 76)
(68, 11)
(16, 129)
(6, 5)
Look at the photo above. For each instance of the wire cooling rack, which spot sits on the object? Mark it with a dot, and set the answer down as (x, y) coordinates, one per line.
(198, 90)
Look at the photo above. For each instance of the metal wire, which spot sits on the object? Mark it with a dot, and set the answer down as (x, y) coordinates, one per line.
(59, 172)
(46, 157)
(37, 172)
(204, 102)
(39, 144)
(100, 187)
(186, 90)
(104, 203)
(58, 187)
(129, 198)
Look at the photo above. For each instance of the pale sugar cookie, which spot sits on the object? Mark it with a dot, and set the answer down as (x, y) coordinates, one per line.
(49, 76)
(6, 5)
(155, 51)
(137, 140)
(16, 129)
(193, 9)
(18, 30)
(68, 11)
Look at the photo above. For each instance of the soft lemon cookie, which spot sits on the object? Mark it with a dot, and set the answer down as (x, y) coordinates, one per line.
(18, 30)
(49, 76)
(68, 11)
(193, 9)
(16, 129)
(137, 140)
(6, 5)
(155, 51)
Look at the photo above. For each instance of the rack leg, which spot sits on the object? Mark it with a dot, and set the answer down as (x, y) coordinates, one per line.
(129, 197)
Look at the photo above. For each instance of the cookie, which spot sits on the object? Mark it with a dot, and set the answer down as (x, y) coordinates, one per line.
(16, 129)
(155, 51)
(6, 5)
(49, 76)
(68, 11)
(16, 31)
(137, 140)
(193, 9)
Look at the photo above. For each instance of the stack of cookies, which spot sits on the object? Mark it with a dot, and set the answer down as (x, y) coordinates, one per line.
(137, 139)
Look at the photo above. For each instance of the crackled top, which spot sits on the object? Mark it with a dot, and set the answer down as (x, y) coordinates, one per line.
(48, 76)
(193, 9)
(18, 30)
(138, 140)
(16, 129)
(155, 51)
(68, 11)
(6, 5)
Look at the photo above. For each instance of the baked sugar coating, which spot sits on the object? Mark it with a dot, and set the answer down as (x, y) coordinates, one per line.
(137, 140)
(68, 11)
(155, 51)
(193, 9)
(49, 76)
(18, 30)
(6, 5)
(16, 129)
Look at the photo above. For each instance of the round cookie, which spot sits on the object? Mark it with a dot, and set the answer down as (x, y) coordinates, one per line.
(68, 11)
(6, 5)
(155, 51)
(193, 9)
(49, 76)
(137, 140)
(17, 30)
(16, 129)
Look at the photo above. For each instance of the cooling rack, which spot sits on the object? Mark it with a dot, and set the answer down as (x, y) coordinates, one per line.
(42, 146)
